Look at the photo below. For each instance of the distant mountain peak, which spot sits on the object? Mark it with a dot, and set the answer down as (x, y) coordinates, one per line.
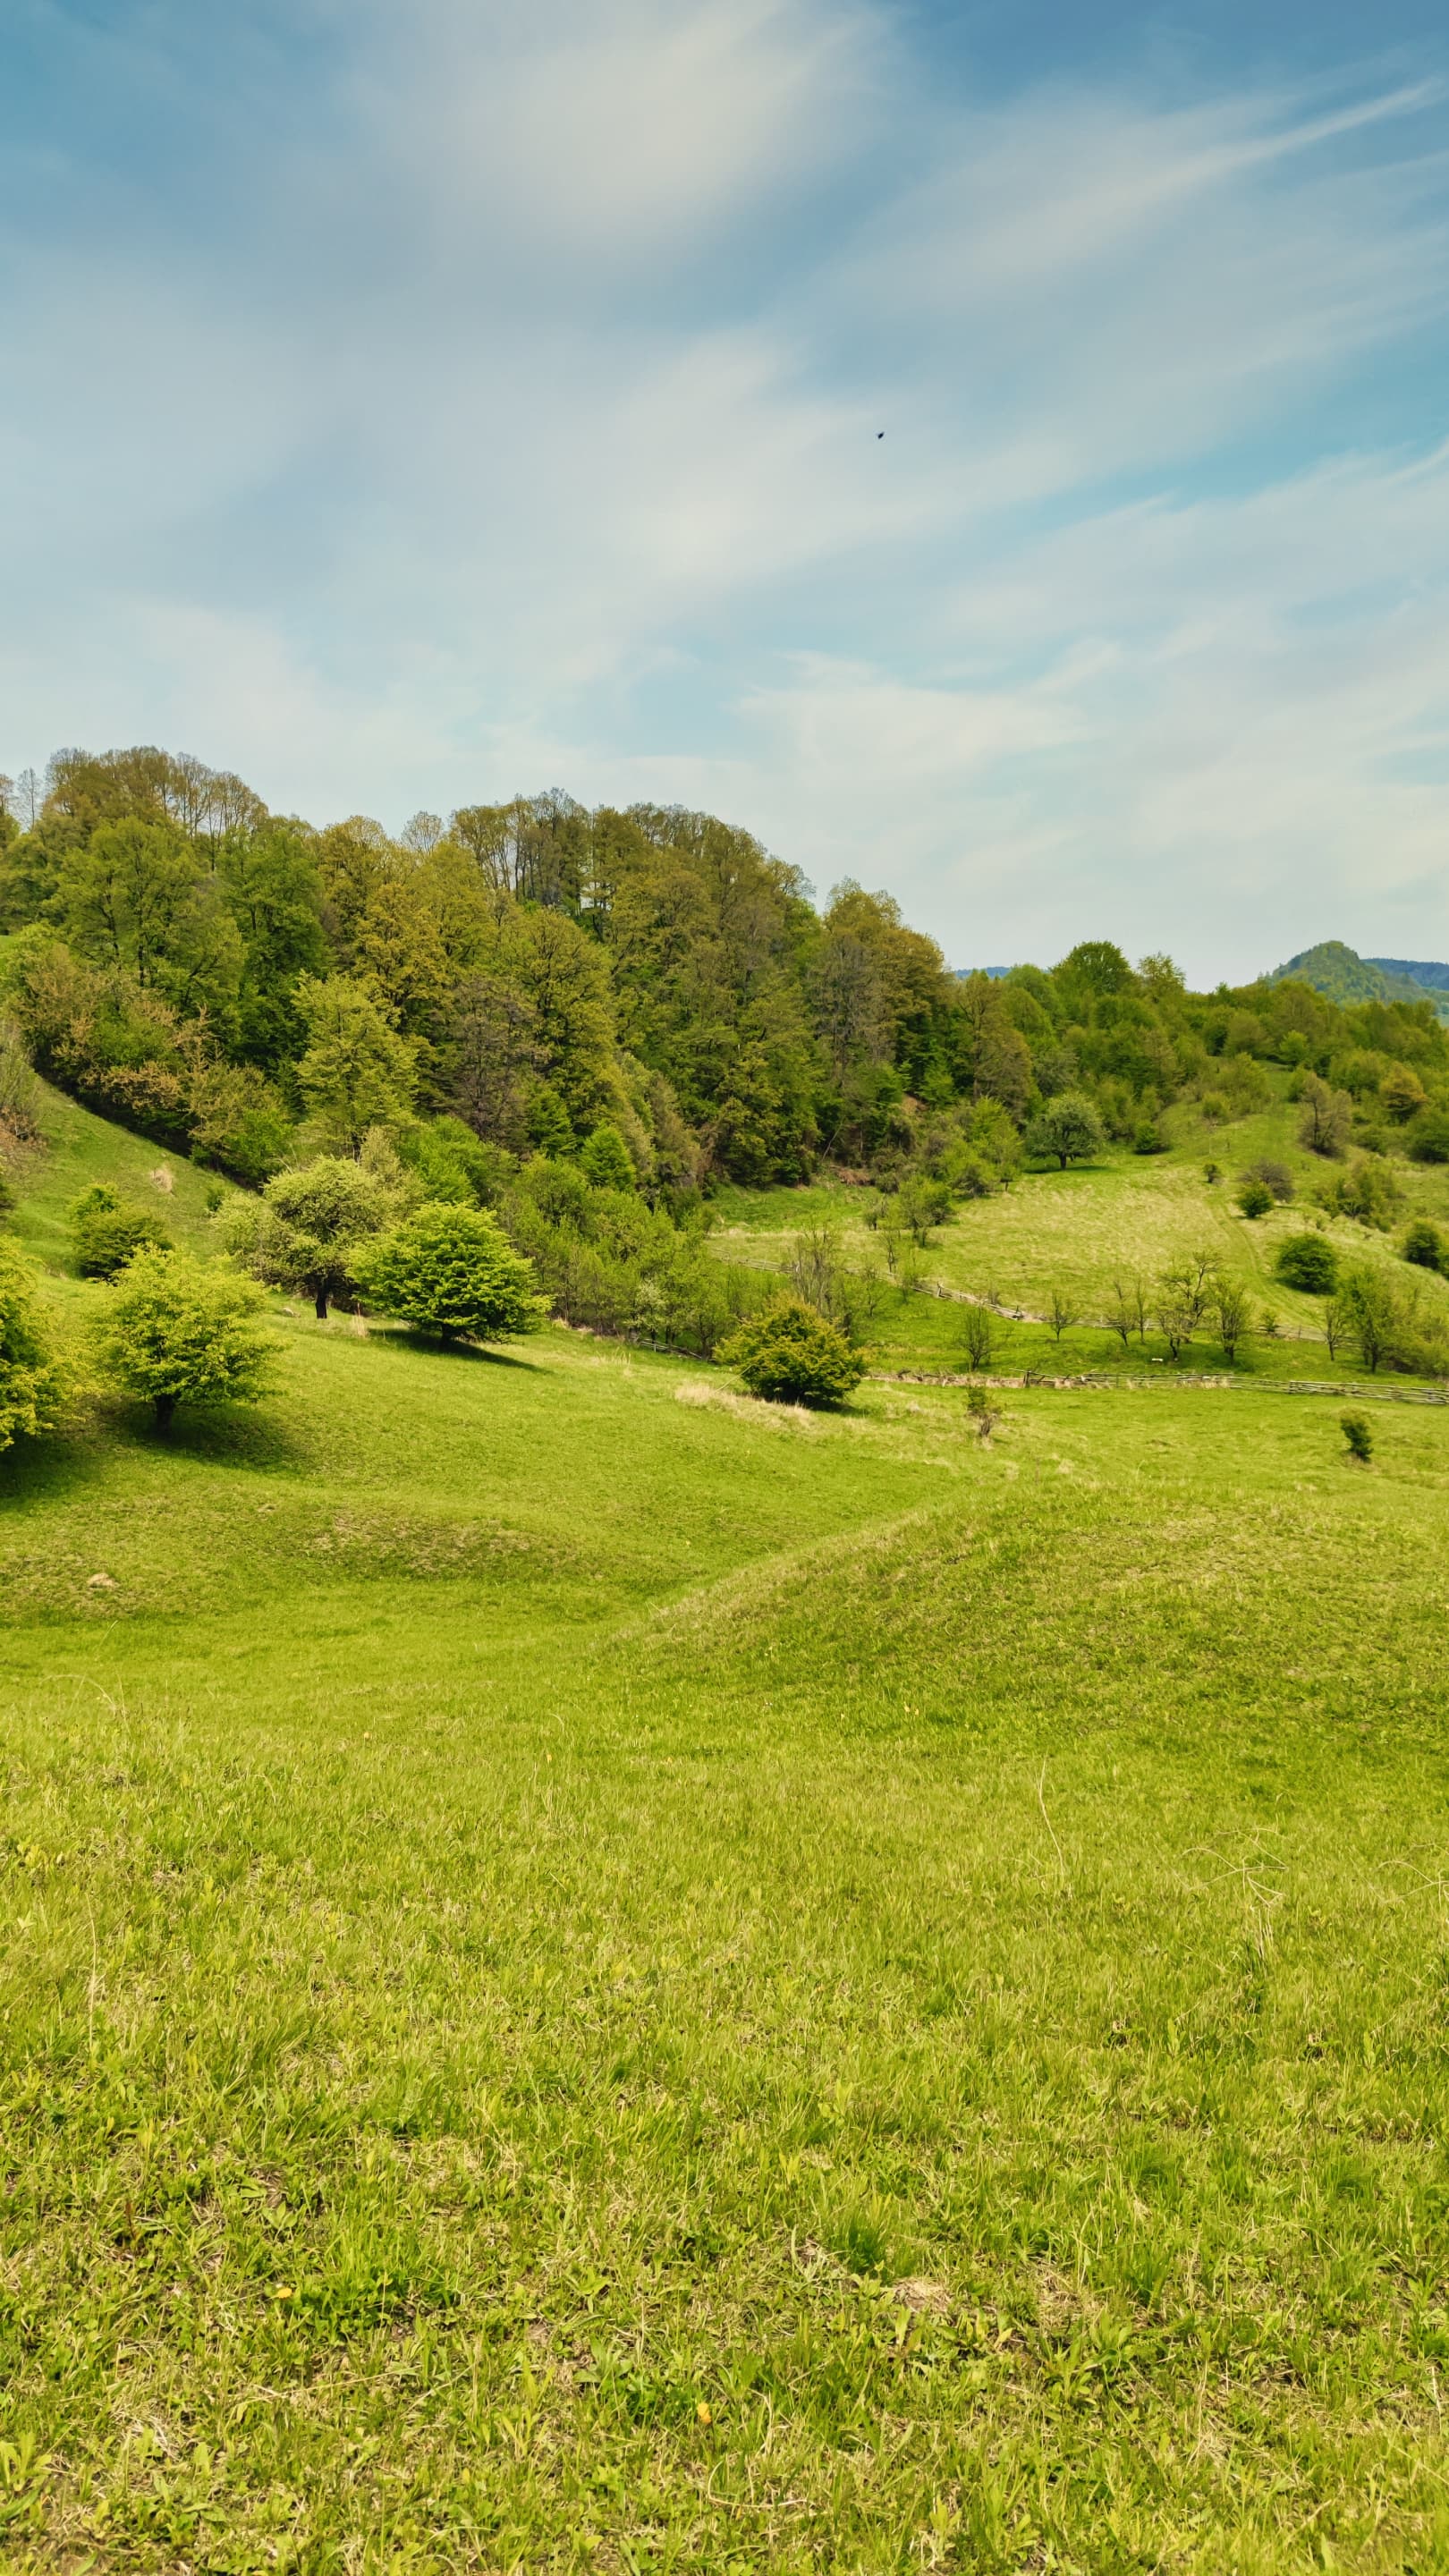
(1338, 971)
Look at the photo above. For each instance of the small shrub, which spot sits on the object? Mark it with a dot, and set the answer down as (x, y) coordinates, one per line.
(790, 1355)
(107, 1234)
(1424, 1245)
(979, 1329)
(1255, 1199)
(1308, 1262)
(1148, 1138)
(982, 1411)
(1275, 1177)
(1212, 1173)
(1358, 1432)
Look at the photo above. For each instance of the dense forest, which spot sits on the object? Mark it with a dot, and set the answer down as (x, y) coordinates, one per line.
(562, 1009)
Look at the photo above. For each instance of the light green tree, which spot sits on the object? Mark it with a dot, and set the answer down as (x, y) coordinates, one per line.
(356, 1072)
(604, 1160)
(305, 1229)
(34, 1381)
(452, 1271)
(181, 1332)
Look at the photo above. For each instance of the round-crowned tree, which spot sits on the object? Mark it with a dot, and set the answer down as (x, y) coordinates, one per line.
(452, 1271)
(33, 1380)
(305, 1229)
(1309, 1262)
(791, 1355)
(180, 1331)
(1067, 1129)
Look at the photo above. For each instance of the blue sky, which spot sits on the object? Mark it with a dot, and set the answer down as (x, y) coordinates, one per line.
(406, 405)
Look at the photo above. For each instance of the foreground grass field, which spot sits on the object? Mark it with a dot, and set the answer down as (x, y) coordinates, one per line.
(598, 1976)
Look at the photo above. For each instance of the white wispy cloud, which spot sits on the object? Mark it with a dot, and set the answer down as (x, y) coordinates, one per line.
(504, 407)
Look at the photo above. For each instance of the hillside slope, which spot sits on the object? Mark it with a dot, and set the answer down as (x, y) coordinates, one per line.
(597, 1974)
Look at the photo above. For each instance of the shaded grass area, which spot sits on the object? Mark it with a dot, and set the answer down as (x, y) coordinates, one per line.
(487, 2035)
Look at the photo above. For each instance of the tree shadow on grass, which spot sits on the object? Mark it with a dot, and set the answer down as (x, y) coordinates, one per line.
(229, 1435)
(432, 1346)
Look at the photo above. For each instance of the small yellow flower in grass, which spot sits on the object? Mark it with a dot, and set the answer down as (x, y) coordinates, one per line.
(702, 2411)
(284, 2290)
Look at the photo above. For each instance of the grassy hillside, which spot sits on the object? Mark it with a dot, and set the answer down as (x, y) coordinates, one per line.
(596, 1975)
(1080, 1230)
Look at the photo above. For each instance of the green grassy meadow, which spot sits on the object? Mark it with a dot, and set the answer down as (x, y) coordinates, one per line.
(1080, 1230)
(596, 1975)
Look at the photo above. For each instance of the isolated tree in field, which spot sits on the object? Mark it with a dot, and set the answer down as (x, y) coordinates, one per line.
(1230, 1308)
(1358, 1432)
(34, 1382)
(1130, 1312)
(1067, 1128)
(106, 1233)
(1325, 1117)
(1255, 1199)
(790, 1355)
(452, 1271)
(1062, 1312)
(1184, 1295)
(308, 1225)
(1308, 1262)
(356, 1072)
(181, 1332)
(979, 1330)
(604, 1159)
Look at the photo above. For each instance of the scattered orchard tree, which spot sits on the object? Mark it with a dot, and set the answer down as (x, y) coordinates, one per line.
(790, 1355)
(1062, 1311)
(979, 1331)
(34, 1381)
(106, 1233)
(1066, 1130)
(1308, 1262)
(1230, 1306)
(451, 1271)
(182, 1332)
